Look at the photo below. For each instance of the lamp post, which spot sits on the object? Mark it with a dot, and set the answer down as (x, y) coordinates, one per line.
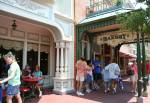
(145, 94)
(139, 82)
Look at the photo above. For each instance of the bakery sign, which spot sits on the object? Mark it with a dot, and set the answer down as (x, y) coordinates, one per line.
(115, 38)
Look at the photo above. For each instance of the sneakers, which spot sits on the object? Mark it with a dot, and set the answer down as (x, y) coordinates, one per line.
(114, 91)
(136, 94)
(97, 87)
(79, 93)
(40, 94)
(108, 90)
(133, 91)
(105, 91)
(122, 88)
(88, 90)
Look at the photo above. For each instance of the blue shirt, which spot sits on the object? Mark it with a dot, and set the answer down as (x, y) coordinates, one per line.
(97, 68)
(105, 75)
(37, 74)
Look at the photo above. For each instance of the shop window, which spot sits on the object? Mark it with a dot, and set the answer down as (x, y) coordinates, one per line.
(32, 55)
(44, 63)
(32, 59)
(44, 59)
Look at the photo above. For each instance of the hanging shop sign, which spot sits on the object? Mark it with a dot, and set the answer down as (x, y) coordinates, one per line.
(115, 38)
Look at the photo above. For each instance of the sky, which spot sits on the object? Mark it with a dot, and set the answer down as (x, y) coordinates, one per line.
(138, 5)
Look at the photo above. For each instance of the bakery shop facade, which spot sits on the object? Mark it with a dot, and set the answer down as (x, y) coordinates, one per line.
(99, 35)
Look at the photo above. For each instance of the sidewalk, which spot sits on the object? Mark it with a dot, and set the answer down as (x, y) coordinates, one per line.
(93, 97)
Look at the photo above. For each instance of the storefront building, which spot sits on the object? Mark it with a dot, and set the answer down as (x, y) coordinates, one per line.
(99, 35)
(40, 32)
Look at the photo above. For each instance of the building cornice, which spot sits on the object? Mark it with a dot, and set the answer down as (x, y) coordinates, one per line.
(64, 17)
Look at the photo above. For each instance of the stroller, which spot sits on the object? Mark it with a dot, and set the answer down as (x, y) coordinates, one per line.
(119, 82)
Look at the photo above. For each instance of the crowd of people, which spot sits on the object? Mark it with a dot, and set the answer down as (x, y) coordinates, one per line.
(91, 74)
(15, 77)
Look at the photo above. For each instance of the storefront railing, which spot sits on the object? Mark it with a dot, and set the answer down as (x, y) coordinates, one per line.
(101, 6)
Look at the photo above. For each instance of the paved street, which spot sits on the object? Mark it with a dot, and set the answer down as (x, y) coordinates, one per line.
(93, 97)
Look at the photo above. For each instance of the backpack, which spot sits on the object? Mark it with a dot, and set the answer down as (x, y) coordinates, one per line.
(130, 72)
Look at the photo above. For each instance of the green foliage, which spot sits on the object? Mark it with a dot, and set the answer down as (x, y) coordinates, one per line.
(141, 0)
(136, 21)
(119, 2)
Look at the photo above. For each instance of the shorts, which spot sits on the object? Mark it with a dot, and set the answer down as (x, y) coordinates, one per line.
(88, 79)
(13, 90)
(80, 78)
(134, 77)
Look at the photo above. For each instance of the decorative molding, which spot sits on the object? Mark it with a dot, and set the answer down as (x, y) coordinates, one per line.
(64, 17)
(65, 84)
(18, 34)
(33, 47)
(9, 44)
(33, 36)
(29, 6)
(58, 85)
(44, 48)
(62, 44)
(66, 26)
(45, 39)
(3, 31)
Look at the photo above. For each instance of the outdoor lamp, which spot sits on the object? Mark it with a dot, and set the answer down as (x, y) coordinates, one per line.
(14, 25)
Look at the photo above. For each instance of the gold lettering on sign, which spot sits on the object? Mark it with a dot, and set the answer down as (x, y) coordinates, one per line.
(111, 37)
(115, 37)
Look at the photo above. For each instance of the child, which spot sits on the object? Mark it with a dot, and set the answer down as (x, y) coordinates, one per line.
(106, 79)
(38, 74)
(89, 78)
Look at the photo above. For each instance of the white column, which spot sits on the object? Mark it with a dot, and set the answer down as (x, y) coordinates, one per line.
(88, 51)
(62, 57)
(82, 49)
(66, 58)
(57, 58)
(24, 54)
(39, 55)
